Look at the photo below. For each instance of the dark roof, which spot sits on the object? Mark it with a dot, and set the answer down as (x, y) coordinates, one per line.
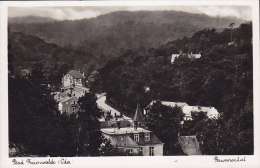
(153, 139)
(76, 74)
(189, 145)
(122, 141)
(109, 124)
(138, 114)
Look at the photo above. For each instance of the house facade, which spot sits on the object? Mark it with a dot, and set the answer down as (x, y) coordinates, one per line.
(134, 141)
(68, 105)
(74, 78)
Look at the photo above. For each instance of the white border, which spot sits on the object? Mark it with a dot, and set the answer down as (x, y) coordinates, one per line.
(118, 162)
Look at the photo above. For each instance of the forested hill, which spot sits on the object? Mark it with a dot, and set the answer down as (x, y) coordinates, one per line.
(222, 77)
(110, 34)
(27, 50)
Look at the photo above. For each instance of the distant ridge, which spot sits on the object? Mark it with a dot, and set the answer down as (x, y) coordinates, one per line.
(110, 35)
(30, 19)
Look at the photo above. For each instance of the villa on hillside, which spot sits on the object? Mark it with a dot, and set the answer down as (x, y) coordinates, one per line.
(191, 56)
(73, 87)
(73, 78)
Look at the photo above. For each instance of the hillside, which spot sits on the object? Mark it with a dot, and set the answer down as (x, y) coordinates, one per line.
(221, 78)
(111, 34)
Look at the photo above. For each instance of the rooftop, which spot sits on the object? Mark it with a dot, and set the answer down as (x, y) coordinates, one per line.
(170, 104)
(116, 131)
(76, 74)
(65, 99)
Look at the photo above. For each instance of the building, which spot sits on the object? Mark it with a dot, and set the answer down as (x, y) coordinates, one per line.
(187, 110)
(174, 56)
(194, 56)
(210, 112)
(166, 103)
(68, 105)
(134, 139)
(74, 78)
(73, 87)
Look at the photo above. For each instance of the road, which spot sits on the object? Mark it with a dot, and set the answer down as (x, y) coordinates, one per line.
(101, 103)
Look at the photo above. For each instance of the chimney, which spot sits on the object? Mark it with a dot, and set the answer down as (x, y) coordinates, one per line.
(135, 125)
(118, 124)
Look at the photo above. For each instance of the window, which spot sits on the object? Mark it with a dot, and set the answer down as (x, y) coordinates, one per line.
(129, 152)
(151, 151)
(67, 109)
(140, 151)
(147, 136)
(73, 109)
(136, 137)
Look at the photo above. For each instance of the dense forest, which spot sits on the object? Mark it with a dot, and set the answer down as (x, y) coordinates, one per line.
(222, 78)
(108, 36)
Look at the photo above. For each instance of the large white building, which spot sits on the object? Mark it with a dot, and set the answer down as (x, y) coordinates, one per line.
(187, 110)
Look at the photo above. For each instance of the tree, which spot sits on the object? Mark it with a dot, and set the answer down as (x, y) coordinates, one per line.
(33, 116)
(231, 26)
(107, 149)
(89, 134)
(164, 121)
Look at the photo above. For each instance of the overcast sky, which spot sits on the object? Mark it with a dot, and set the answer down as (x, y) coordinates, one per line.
(61, 13)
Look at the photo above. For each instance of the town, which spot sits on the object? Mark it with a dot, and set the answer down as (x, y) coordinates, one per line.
(128, 134)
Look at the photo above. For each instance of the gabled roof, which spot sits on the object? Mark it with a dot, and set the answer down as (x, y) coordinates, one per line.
(189, 145)
(126, 130)
(76, 74)
(65, 99)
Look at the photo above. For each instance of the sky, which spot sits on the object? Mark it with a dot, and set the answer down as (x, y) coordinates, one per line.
(79, 12)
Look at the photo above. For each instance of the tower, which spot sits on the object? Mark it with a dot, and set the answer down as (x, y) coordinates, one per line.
(138, 117)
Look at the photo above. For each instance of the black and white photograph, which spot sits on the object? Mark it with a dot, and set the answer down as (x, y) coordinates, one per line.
(130, 81)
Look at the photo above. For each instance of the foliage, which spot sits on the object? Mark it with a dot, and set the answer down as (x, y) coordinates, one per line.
(107, 149)
(33, 116)
(89, 138)
(164, 121)
(221, 78)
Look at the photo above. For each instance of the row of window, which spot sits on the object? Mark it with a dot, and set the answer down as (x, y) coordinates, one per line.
(73, 109)
(146, 137)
